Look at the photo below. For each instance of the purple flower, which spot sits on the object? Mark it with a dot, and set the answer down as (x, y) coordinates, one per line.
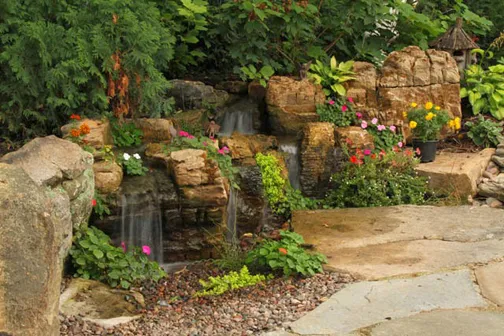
(392, 128)
(146, 250)
(363, 124)
(359, 115)
(381, 127)
(367, 151)
(374, 121)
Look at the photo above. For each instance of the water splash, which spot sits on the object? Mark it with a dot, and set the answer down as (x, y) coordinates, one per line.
(141, 223)
(292, 162)
(239, 118)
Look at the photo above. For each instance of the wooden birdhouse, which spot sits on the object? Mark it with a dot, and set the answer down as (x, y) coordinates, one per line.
(458, 44)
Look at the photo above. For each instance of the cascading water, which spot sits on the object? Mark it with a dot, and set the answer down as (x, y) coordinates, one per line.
(292, 162)
(238, 118)
(141, 223)
(231, 235)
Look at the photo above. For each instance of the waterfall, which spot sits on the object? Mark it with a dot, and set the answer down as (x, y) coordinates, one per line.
(141, 223)
(239, 118)
(231, 217)
(292, 162)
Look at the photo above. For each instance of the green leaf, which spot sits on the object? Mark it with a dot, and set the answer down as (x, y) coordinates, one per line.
(84, 243)
(340, 89)
(267, 71)
(125, 284)
(98, 254)
(463, 93)
(81, 261)
(334, 63)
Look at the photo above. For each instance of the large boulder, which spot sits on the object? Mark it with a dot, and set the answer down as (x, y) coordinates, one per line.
(409, 75)
(108, 176)
(155, 129)
(244, 147)
(291, 104)
(61, 166)
(100, 133)
(35, 225)
(195, 95)
(317, 155)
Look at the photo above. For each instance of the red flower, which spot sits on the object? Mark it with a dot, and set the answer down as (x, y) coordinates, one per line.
(373, 156)
(348, 141)
(350, 99)
(75, 117)
(344, 108)
(93, 202)
(75, 133)
(396, 149)
(84, 128)
(282, 251)
(354, 159)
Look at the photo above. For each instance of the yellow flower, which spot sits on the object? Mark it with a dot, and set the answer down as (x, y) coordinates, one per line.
(405, 114)
(457, 123)
(451, 123)
(437, 108)
(429, 105)
(412, 124)
(429, 116)
(414, 105)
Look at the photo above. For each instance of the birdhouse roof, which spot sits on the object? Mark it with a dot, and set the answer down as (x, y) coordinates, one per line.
(455, 38)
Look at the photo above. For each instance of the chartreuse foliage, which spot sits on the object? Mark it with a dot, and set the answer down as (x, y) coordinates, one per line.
(282, 198)
(95, 258)
(286, 256)
(231, 281)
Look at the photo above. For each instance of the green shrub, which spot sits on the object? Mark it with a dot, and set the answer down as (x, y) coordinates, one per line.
(125, 134)
(282, 198)
(370, 179)
(95, 258)
(333, 76)
(286, 256)
(100, 205)
(262, 76)
(427, 121)
(384, 137)
(339, 112)
(231, 281)
(231, 256)
(485, 132)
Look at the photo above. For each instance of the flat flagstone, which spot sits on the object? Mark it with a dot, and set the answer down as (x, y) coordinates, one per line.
(445, 323)
(383, 242)
(367, 303)
(491, 281)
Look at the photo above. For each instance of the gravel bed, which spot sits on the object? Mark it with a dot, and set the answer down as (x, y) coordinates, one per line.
(171, 310)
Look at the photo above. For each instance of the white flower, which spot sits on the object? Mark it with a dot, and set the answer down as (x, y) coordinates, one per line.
(126, 156)
(136, 156)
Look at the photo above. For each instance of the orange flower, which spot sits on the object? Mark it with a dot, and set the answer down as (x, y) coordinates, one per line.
(84, 128)
(282, 251)
(75, 132)
(75, 117)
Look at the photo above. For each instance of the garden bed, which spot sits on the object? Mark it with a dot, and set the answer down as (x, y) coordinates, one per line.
(171, 309)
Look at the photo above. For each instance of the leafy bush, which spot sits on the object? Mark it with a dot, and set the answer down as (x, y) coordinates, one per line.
(231, 281)
(485, 132)
(282, 198)
(95, 258)
(369, 179)
(63, 57)
(427, 121)
(251, 73)
(125, 134)
(485, 88)
(333, 76)
(286, 255)
(100, 205)
(133, 164)
(385, 138)
(339, 112)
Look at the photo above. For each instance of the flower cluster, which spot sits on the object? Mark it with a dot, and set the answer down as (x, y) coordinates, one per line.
(145, 248)
(339, 111)
(385, 137)
(133, 164)
(78, 131)
(426, 122)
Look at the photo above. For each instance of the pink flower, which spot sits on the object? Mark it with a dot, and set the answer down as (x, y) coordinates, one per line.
(344, 108)
(381, 127)
(350, 100)
(363, 124)
(225, 149)
(417, 151)
(359, 115)
(392, 128)
(400, 144)
(374, 121)
(367, 151)
(211, 137)
(183, 133)
(146, 249)
(123, 246)
(331, 102)
(190, 137)
(205, 143)
(221, 151)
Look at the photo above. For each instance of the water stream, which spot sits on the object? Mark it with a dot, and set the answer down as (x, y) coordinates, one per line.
(292, 162)
(239, 118)
(141, 223)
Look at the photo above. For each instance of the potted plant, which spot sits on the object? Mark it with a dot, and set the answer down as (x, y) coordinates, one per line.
(426, 123)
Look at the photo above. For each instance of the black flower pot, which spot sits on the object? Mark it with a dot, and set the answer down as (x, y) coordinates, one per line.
(427, 149)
